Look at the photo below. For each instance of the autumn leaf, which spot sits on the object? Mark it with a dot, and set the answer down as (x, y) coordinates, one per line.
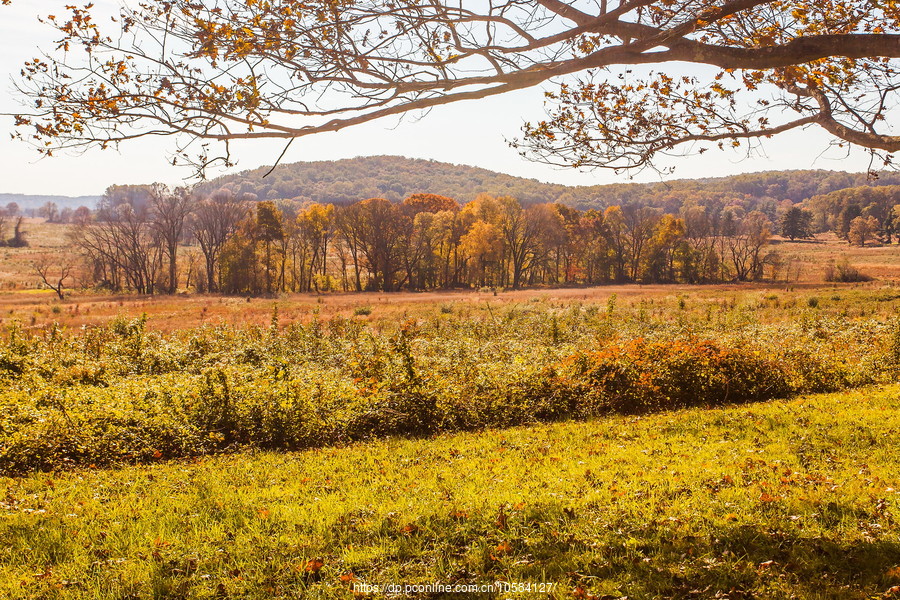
(501, 519)
(314, 565)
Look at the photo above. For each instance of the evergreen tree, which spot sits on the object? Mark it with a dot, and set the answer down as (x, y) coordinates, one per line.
(796, 223)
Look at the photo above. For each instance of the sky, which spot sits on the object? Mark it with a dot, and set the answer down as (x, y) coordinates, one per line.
(471, 133)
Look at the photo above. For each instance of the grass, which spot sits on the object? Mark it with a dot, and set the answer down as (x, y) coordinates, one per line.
(16, 264)
(787, 498)
(811, 259)
(795, 498)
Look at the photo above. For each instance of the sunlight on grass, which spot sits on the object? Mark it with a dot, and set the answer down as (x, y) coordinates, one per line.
(764, 500)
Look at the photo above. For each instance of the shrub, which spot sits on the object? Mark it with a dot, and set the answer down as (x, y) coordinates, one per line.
(844, 272)
(121, 394)
(638, 376)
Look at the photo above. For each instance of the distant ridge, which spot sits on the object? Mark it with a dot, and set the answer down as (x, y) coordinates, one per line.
(395, 177)
(26, 201)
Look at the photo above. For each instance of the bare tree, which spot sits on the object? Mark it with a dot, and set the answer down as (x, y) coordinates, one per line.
(54, 271)
(212, 222)
(169, 211)
(49, 211)
(141, 246)
(124, 250)
(746, 244)
(640, 222)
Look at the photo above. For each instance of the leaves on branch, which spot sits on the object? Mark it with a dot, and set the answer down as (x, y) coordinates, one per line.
(242, 69)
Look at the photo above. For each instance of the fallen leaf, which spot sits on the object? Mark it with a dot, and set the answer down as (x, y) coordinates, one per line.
(314, 565)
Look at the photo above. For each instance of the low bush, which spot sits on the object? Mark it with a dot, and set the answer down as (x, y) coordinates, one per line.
(638, 375)
(843, 272)
(122, 394)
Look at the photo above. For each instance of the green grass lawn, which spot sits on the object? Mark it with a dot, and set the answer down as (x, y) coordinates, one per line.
(795, 498)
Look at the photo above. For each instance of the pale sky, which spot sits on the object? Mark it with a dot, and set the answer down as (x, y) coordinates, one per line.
(470, 133)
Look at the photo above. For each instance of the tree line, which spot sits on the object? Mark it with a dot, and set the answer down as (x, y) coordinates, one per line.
(152, 239)
(859, 214)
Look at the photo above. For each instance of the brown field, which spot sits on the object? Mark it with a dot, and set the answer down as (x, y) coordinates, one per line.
(23, 300)
(877, 261)
(169, 313)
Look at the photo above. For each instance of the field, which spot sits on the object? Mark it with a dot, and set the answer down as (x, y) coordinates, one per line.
(795, 498)
(23, 300)
(641, 441)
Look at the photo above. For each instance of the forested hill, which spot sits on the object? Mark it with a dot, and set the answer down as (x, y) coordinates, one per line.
(395, 178)
(392, 177)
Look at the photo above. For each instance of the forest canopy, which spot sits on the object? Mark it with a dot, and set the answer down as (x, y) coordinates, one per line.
(347, 181)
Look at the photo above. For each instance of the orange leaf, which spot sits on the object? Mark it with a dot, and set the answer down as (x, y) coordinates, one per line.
(314, 565)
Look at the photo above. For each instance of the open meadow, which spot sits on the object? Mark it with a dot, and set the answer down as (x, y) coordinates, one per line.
(599, 440)
(795, 498)
(648, 441)
(350, 368)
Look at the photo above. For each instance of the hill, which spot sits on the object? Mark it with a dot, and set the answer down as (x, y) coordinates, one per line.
(392, 177)
(395, 178)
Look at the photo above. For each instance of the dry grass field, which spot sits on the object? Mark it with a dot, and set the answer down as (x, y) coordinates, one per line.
(23, 300)
(38, 309)
(877, 261)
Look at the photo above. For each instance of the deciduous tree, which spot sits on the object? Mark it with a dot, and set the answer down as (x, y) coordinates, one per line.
(212, 222)
(170, 209)
(862, 229)
(54, 271)
(242, 69)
